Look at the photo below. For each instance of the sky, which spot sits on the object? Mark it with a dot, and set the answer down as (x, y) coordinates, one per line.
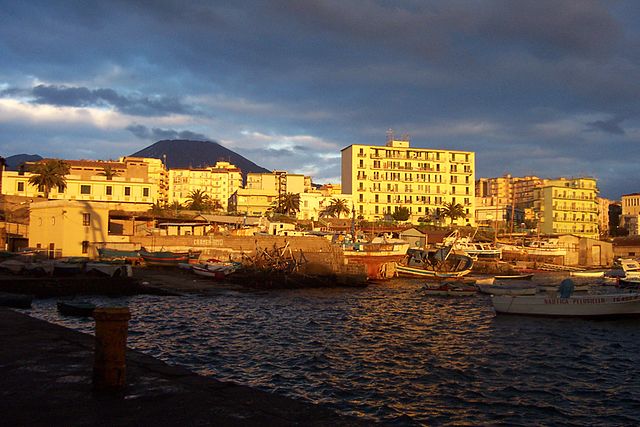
(542, 87)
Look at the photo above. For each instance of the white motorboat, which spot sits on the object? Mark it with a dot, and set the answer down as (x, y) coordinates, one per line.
(582, 305)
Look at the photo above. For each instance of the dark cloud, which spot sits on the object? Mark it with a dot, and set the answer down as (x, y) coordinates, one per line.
(85, 97)
(609, 126)
(345, 72)
(156, 134)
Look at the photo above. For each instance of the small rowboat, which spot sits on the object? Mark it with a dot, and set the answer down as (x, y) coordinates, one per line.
(76, 308)
(166, 258)
(581, 306)
(587, 273)
(515, 277)
(449, 289)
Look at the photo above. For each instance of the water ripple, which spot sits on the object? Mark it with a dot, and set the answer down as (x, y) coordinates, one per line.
(391, 353)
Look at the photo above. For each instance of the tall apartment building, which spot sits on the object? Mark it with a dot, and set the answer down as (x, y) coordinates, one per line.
(630, 217)
(87, 181)
(382, 179)
(157, 174)
(218, 182)
(263, 189)
(568, 206)
(603, 215)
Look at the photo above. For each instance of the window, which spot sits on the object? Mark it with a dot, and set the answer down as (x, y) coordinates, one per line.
(127, 191)
(21, 186)
(86, 219)
(109, 190)
(60, 189)
(85, 246)
(145, 192)
(85, 189)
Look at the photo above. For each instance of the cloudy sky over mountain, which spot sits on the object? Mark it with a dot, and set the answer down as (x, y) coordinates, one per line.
(544, 87)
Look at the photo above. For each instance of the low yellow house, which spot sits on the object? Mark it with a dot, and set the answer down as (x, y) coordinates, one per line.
(66, 228)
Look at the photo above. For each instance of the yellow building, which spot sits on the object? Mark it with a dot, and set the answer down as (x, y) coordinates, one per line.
(253, 202)
(382, 179)
(218, 182)
(86, 181)
(279, 181)
(312, 204)
(568, 206)
(157, 174)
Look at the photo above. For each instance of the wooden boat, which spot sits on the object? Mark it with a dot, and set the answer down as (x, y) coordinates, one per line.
(582, 306)
(587, 273)
(510, 289)
(109, 270)
(379, 259)
(167, 258)
(514, 277)
(118, 255)
(15, 300)
(485, 280)
(76, 308)
(449, 289)
(438, 263)
(217, 271)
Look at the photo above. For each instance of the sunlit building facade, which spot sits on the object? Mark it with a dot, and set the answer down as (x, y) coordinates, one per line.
(217, 182)
(88, 180)
(383, 179)
(568, 206)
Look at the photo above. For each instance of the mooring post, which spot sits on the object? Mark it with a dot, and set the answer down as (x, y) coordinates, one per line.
(109, 368)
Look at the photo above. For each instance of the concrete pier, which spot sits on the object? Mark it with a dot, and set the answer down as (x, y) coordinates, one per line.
(46, 373)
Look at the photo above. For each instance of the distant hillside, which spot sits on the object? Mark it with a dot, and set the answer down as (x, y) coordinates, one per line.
(14, 162)
(182, 153)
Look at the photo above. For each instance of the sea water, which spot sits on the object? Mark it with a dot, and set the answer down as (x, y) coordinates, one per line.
(391, 353)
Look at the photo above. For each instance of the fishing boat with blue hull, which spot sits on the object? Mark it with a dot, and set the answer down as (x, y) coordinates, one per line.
(167, 258)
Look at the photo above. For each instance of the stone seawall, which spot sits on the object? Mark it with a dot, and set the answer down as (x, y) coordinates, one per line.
(322, 257)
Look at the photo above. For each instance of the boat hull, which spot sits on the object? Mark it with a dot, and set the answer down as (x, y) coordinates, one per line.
(580, 306)
(379, 259)
(422, 272)
(506, 290)
(78, 309)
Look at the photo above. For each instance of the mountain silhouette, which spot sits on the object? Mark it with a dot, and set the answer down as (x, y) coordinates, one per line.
(13, 162)
(184, 153)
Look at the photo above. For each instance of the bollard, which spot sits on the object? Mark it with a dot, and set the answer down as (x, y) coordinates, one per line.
(109, 368)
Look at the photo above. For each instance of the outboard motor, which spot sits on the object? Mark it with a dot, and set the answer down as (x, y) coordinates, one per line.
(566, 288)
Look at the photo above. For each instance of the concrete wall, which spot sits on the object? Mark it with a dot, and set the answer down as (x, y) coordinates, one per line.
(322, 257)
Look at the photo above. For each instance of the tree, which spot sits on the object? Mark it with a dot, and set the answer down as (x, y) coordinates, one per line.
(336, 208)
(402, 214)
(453, 211)
(197, 200)
(287, 204)
(49, 174)
(109, 172)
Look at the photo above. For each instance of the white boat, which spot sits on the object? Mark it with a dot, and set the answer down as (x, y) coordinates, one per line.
(466, 245)
(436, 263)
(587, 273)
(110, 270)
(631, 268)
(484, 280)
(583, 305)
(550, 247)
(510, 289)
(378, 257)
(215, 271)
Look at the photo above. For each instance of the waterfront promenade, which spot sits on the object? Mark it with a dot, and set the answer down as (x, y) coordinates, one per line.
(45, 378)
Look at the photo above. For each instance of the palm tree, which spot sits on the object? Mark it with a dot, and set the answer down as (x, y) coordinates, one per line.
(288, 204)
(198, 200)
(49, 174)
(109, 172)
(453, 211)
(336, 208)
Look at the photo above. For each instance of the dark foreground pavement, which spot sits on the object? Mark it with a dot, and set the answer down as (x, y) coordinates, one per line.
(45, 380)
